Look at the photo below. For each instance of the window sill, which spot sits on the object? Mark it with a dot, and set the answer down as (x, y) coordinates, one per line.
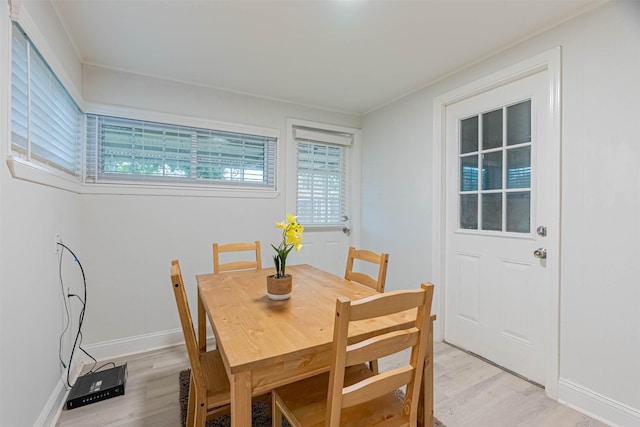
(176, 190)
(312, 228)
(36, 173)
(33, 172)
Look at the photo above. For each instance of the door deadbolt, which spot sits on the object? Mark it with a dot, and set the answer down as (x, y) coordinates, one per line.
(540, 253)
(542, 231)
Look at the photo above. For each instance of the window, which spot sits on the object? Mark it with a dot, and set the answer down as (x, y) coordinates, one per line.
(46, 123)
(322, 176)
(144, 151)
(495, 170)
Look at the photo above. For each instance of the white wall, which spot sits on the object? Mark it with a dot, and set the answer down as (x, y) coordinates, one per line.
(31, 303)
(125, 240)
(131, 239)
(4, 128)
(600, 326)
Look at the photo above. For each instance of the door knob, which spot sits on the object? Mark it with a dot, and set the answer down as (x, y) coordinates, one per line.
(540, 253)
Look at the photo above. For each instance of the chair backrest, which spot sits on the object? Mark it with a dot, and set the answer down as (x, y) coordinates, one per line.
(383, 343)
(364, 255)
(236, 265)
(187, 323)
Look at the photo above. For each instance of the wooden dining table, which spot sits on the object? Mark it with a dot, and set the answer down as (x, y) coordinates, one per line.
(265, 344)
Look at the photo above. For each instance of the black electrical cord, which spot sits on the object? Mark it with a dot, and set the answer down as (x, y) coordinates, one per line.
(77, 343)
(78, 339)
(66, 308)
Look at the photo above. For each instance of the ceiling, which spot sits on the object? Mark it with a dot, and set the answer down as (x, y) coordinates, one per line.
(351, 56)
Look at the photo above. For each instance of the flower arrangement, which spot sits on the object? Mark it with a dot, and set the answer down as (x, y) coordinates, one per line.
(291, 238)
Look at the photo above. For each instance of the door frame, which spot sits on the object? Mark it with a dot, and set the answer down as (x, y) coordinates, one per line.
(549, 62)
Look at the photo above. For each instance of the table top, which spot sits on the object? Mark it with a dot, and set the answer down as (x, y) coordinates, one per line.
(253, 330)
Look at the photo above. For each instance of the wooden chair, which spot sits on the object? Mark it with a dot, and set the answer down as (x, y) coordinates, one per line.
(376, 283)
(209, 389)
(228, 266)
(364, 255)
(209, 384)
(236, 265)
(350, 394)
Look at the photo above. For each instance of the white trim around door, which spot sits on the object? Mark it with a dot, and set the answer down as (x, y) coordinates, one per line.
(549, 62)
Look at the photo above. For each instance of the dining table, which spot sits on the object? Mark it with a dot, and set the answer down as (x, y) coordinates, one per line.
(266, 343)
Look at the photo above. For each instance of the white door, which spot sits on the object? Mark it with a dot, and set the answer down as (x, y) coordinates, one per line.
(325, 249)
(496, 198)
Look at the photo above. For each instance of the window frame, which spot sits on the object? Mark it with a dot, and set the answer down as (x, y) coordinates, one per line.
(352, 174)
(182, 189)
(25, 158)
(144, 181)
(504, 190)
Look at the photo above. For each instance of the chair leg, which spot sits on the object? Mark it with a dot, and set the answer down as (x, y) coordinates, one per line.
(270, 405)
(276, 413)
(200, 409)
(191, 406)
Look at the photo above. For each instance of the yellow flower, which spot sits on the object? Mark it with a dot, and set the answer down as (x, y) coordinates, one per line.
(291, 238)
(294, 236)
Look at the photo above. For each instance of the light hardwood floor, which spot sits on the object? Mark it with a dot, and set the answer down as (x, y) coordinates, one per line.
(468, 392)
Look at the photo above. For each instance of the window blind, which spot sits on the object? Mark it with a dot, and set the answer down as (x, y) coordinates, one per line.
(136, 150)
(321, 178)
(46, 123)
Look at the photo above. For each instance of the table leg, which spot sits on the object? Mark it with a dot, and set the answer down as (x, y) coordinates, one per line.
(427, 382)
(240, 399)
(425, 407)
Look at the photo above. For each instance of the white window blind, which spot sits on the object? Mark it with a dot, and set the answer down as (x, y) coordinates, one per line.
(321, 177)
(46, 123)
(143, 151)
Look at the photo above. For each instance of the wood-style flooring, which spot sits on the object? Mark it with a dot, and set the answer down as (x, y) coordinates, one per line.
(468, 392)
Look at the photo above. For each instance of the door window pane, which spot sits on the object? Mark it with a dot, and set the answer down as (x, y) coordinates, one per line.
(519, 123)
(519, 212)
(469, 211)
(322, 165)
(492, 129)
(492, 170)
(469, 173)
(519, 167)
(321, 183)
(469, 135)
(492, 211)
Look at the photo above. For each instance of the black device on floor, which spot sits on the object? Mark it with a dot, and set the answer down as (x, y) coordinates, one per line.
(97, 386)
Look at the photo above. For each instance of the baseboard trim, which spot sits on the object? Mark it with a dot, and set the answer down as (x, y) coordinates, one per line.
(596, 405)
(51, 411)
(136, 344)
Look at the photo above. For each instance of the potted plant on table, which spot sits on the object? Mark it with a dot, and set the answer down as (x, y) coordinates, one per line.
(279, 284)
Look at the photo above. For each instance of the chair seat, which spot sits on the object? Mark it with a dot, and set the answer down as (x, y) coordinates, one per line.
(306, 402)
(216, 379)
